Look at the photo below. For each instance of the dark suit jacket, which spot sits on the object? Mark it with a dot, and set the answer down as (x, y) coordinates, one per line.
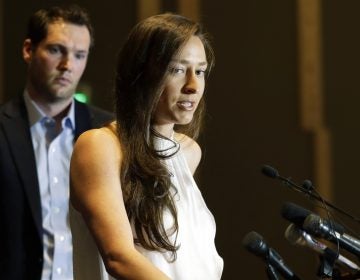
(21, 248)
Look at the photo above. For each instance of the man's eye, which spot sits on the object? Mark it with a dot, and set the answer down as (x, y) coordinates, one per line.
(54, 50)
(80, 56)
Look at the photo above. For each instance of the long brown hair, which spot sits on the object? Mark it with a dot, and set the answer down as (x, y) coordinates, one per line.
(142, 66)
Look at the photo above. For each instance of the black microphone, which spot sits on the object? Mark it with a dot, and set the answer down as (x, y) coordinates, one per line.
(255, 244)
(330, 231)
(299, 237)
(297, 215)
(294, 213)
(271, 172)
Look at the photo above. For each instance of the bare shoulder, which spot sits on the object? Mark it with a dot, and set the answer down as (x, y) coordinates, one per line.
(190, 149)
(95, 163)
(187, 144)
(93, 136)
(98, 142)
(97, 152)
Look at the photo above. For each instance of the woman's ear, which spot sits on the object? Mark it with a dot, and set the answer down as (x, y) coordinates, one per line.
(27, 50)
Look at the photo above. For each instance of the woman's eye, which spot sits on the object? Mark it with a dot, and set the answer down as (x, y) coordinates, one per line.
(176, 70)
(200, 72)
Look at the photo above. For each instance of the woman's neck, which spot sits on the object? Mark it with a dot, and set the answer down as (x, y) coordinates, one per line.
(165, 130)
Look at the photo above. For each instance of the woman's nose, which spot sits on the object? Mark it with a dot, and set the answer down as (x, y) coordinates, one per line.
(192, 84)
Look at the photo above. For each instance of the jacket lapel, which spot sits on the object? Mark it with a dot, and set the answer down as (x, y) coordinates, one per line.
(82, 119)
(16, 129)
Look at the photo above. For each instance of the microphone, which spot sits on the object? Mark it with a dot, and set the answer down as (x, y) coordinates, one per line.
(306, 188)
(332, 232)
(271, 172)
(299, 237)
(255, 244)
(297, 215)
(294, 213)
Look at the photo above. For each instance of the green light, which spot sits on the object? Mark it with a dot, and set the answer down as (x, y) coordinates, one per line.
(81, 97)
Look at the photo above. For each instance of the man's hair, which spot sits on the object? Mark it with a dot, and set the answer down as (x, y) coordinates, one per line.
(141, 70)
(38, 23)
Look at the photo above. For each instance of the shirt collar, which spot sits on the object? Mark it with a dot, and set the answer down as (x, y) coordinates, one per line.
(35, 114)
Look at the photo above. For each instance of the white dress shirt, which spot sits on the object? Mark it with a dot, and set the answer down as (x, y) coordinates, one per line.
(52, 152)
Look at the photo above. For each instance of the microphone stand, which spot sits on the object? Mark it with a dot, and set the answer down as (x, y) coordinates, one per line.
(271, 272)
(314, 195)
(307, 188)
(326, 266)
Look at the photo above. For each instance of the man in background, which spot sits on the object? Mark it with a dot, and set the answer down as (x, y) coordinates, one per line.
(37, 133)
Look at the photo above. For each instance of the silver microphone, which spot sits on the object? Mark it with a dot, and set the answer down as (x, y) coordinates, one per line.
(323, 228)
(297, 236)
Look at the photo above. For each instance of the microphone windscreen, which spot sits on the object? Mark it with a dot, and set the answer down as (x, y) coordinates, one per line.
(307, 185)
(294, 213)
(294, 236)
(312, 224)
(255, 244)
(321, 227)
(269, 171)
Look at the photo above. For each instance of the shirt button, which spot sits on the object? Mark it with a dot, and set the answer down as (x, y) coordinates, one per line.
(53, 150)
(56, 210)
(62, 238)
(59, 270)
(56, 180)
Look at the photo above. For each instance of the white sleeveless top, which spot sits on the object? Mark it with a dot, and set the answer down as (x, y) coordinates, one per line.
(197, 258)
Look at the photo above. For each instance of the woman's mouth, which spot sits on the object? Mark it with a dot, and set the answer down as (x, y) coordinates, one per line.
(186, 105)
